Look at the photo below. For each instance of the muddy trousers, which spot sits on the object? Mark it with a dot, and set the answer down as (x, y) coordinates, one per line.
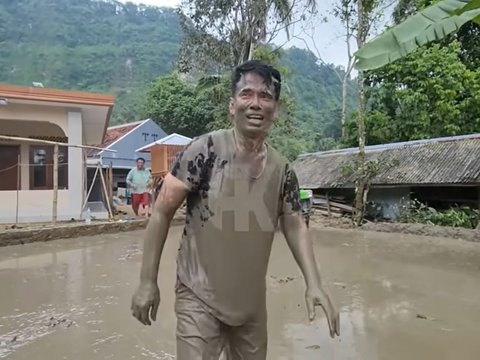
(201, 336)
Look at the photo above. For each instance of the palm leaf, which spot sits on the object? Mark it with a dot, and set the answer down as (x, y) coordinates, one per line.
(433, 23)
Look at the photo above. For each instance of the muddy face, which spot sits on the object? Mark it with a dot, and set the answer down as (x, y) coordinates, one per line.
(253, 106)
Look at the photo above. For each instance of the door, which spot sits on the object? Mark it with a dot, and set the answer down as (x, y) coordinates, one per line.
(8, 167)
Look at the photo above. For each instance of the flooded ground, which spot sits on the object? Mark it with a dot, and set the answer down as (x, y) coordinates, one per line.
(401, 297)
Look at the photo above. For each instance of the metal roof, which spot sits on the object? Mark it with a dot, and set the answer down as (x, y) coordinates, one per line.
(452, 160)
(172, 139)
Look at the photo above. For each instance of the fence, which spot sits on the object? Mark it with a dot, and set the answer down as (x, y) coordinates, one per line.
(22, 177)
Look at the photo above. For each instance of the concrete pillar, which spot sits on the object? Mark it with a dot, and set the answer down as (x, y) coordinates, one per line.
(75, 164)
(25, 160)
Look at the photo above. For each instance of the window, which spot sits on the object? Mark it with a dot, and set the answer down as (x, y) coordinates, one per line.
(8, 167)
(41, 167)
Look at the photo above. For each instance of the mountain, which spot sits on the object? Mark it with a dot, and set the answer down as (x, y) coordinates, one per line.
(87, 45)
(317, 89)
(108, 46)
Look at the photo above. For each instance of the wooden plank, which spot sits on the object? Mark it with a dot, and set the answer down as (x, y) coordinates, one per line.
(106, 194)
(333, 205)
(328, 206)
(38, 141)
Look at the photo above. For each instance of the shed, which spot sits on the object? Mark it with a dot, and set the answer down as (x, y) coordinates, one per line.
(441, 172)
(164, 151)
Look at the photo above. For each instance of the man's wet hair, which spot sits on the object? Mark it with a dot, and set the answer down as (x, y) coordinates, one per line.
(267, 72)
(140, 159)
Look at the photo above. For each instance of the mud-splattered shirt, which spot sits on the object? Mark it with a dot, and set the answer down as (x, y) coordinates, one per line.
(230, 224)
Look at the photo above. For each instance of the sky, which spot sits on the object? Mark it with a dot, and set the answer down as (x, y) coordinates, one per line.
(324, 39)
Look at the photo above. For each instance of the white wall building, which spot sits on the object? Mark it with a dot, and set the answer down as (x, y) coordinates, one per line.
(69, 117)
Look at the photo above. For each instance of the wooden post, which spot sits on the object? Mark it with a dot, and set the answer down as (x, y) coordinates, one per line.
(18, 189)
(106, 194)
(478, 225)
(110, 181)
(165, 157)
(85, 201)
(328, 205)
(55, 184)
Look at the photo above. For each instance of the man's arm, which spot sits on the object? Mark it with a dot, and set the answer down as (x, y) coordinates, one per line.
(300, 244)
(178, 182)
(129, 178)
(295, 230)
(146, 300)
(171, 196)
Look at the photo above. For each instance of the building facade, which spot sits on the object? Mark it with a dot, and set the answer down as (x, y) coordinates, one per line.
(27, 174)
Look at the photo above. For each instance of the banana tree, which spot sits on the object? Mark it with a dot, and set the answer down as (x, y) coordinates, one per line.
(433, 23)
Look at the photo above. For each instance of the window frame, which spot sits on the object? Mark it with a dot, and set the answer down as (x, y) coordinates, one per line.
(48, 163)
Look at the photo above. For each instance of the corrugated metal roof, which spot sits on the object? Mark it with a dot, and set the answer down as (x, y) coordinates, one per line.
(454, 160)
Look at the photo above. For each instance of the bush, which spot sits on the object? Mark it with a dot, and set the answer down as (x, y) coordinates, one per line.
(413, 211)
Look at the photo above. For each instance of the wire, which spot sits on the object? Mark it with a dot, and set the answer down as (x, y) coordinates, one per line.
(9, 168)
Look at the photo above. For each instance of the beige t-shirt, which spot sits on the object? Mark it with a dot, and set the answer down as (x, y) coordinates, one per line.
(230, 224)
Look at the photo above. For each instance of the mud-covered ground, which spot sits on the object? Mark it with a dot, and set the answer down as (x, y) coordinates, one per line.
(400, 296)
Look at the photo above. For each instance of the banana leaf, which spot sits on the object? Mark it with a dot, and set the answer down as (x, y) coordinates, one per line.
(433, 23)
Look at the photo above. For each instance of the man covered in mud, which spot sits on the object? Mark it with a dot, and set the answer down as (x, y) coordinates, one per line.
(237, 189)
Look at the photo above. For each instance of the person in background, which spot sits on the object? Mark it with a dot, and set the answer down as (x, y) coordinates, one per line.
(137, 180)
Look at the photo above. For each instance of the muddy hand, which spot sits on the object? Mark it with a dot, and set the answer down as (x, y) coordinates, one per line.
(145, 303)
(318, 296)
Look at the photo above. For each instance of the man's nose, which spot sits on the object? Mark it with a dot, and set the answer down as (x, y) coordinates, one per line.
(255, 103)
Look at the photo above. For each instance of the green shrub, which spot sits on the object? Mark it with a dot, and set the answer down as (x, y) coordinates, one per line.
(414, 211)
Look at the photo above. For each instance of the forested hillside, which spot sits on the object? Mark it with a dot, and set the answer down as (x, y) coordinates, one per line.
(88, 45)
(108, 46)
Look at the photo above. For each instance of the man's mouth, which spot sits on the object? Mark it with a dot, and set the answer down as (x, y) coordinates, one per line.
(255, 117)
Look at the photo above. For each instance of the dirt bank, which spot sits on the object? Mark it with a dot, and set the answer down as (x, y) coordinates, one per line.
(412, 229)
(29, 233)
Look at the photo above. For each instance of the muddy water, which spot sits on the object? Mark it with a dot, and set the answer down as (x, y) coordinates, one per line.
(401, 297)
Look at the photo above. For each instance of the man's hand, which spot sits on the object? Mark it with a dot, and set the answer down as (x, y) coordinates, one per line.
(145, 303)
(318, 296)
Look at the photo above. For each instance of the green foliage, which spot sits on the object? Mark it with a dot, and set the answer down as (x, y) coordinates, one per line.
(413, 211)
(430, 93)
(175, 106)
(433, 23)
(468, 35)
(317, 90)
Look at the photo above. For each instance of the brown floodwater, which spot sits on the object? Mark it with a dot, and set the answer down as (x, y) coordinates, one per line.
(400, 297)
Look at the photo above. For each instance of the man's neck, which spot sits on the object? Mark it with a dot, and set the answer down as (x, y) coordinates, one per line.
(247, 144)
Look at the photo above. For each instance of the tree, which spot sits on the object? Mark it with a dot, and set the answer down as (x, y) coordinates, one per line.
(221, 34)
(433, 23)
(429, 93)
(468, 35)
(359, 18)
(176, 107)
(345, 11)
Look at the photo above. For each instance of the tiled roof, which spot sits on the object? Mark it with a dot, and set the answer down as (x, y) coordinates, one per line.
(114, 133)
(454, 160)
